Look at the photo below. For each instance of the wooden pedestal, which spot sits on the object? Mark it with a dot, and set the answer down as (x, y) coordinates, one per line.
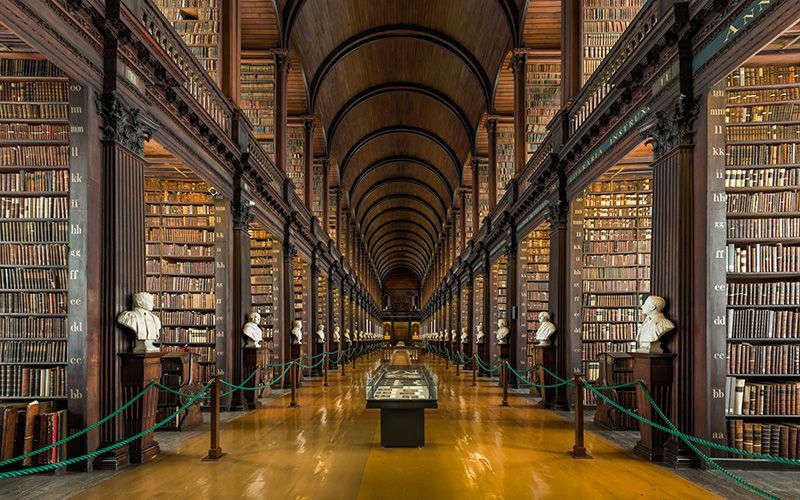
(296, 351)
(319, 348)
(655, 371)
(546, 355)
(335, 356)
(254, 359)
(482, 350)
(138, 370)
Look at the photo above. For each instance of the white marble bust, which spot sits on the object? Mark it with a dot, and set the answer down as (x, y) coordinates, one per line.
(464, 335)
(320, 334)
(453, 335)
(252, 331)
(347, 338)
(546, 329)
(297, 333)
(655, 326)
(501, 334)
(142, 322)
(336, 337)
(480, 334)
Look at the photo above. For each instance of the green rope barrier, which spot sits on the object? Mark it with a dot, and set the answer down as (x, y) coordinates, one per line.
(260, 387)
(538, 386)
(70, 461)
(301, 365)
(84, 431)
(177, 392)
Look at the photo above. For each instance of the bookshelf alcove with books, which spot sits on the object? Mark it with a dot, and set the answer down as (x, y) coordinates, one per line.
(604, 21)
(44, 378)
(295, 153)
(499, 299)
(197, 22)
(264, 280)
(542, 98)
(257, 84)
(505, 157)
(611, 245)
(534, 282)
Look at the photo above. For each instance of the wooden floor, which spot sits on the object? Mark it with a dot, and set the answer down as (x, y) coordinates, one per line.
(328, 448)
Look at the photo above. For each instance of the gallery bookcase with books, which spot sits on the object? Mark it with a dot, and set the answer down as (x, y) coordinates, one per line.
(604, 21)
(762, 238)
(468, 216)
(318, 185)
(483, 189)
(505, 157)
(185, 237)
(535, 267)
(43, 216)
(264, 279)
(478, 291)
(295, 152)
(333, 201)
(611, 265)
(336, 312)
(197, 22)
(257, 84)
(499, 296)
(542, 99)
(321, 315)
(300, 299)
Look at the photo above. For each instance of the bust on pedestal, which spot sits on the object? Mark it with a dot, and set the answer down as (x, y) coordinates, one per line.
(254, 358)
(139, 368)
(252, 331)
(544, 357)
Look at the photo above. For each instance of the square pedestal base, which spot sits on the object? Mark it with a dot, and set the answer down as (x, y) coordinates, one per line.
(402, 428)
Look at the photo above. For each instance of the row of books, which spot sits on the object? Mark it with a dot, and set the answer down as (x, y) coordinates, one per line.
(782, 201)
(186, 300)
(591, 350)
(616, 234)
(186, 318)
(180, 284)
(778, 359)
(764, 228)
(762, 177)
(610, 314)
(187, 335)
(617, 200)
(603, 212)
(191, 267)
(207, 220)
(28, 67)
(33, 90)
(38, 180)
(33, 132)
(167, 209)
(25, 427)
(32, 328)
(181, 235)
(616, 273)
(763, 132)
(180, 197)
(617, 259)
(763, 75)
(744, 397)
(33, 303)
(761, 113)
(763, 154)
(609, 330)
(29, 111)
(758, 258)
(54, 156)
(631, 286)
(782, 440)
(178, 250)
(33, 351)
(34, 255)
(614, 187)
(627, 300)
(28, 382)
(33, 278)
(763, 324)
(38, 208)
(206, 354)
(764, 294)
(617, 245)
(753, 96)
(618, 223)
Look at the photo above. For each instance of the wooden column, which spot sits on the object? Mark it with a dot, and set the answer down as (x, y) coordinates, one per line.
(326, 222)
(519, 66)
(571, 52)
(313, 306)
(470, 291)
(282, 65)
(517, 344)
(463, 201)
(240, 298)
(308, 156)
(289, 252)
(231, 50)
(491, 132)
(476, 213)
(122, 263)
(559, 296)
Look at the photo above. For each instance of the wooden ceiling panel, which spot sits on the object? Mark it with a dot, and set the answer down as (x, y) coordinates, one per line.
(504, 91)
(259, 26)
(542, 27)
(409, 172)
(297, 94)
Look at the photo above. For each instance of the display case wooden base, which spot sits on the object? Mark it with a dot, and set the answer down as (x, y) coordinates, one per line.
(545, 356)
(254, 359)
(656, 373)
(138, 370)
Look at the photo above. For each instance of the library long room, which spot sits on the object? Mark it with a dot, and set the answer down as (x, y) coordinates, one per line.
(422, 249)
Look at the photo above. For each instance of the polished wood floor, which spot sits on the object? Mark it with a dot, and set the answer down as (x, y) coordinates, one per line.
(328, 448)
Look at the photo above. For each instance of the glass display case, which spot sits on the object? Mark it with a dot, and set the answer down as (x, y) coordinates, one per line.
(401, 384)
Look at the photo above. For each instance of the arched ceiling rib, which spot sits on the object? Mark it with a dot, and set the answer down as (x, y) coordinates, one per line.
(400, 88)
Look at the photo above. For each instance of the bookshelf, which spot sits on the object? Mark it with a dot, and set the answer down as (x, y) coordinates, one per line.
(762, 258)
(301, 286)
(336, 304)
(505, 157)
(612, 265)
(332, 212)
(321, 316)
(257, 84)
(295, 152)
(469, 222)
(264, 282)
(197, 23)
(483, 189)
(500, 295)
(478, 291)
(182, 228)
(316, 191)
(535, 267)
(542, 100)
(604, 21)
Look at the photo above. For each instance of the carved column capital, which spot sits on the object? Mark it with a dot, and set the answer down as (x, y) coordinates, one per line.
(123, 124)
(243, 214)
(675, 128)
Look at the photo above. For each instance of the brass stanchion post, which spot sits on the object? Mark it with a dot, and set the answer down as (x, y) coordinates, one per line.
(506, 374)
(214, 449)
(474, 371)
(578, 449)
(293, 383)
(325, 370)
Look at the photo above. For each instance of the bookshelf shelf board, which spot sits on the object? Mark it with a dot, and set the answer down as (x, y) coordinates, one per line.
(782, 417)
(790, 241)
(185, 275)
(59, 121)
(54, 290)
(182, 292)
(48, 242)
(760, 215)
(33, 315)
(50, 339)
(180, 204)
(193, 258)
(586, 322)
(34, 103)
(34, 363)
(761, 87)
(187, 325)
(765, 375)
(34, 219)
(33, 194)
(32, 167)
(622, 217)
(760, 276)
(207, 228)
(193, 243)
(606, 340)
(196, 309)
(604, 193)
(610, 253)
(764, 341)
(761, 103)
(33, 142)
(189, 344)
(764, 141)
(762, 306)
(751, 124)
(34, 398)
(29, 266)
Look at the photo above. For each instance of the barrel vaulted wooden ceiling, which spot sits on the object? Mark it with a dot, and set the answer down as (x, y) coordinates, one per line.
(401, 89)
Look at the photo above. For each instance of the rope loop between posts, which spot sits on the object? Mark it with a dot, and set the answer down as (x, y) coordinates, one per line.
(520, 376)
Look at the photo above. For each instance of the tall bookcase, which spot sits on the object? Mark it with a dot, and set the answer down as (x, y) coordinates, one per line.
(762, 235)
(505, 157)
(535, 267)
(295, 152)
(469, 223)
(483, 189)
(477, 304)
(332, 212)
(321, 316)
(197, 22)
(186, 252)
(611, 266)
(257, 84)
(43, 216)
(300, 298)
(318, 185)
(604, 21)
(336, 304)
(500, 295)
(264, 282)
(542, 100)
